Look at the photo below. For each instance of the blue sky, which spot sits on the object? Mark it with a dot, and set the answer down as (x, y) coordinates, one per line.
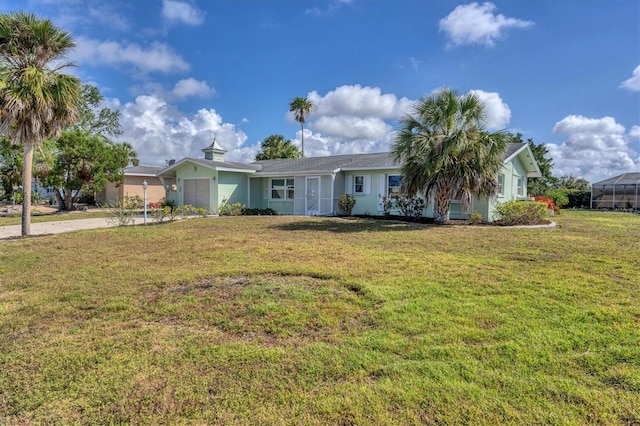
(563, 72)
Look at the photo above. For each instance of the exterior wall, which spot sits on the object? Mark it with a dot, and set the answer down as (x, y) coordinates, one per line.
(132, 187)
(368, 203)
(233, 187)
(257, 199)
(511, 171)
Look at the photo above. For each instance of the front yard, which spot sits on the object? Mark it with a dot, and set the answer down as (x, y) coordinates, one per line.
(298, 320)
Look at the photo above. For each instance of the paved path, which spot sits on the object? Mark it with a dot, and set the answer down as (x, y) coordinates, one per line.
(45, 228)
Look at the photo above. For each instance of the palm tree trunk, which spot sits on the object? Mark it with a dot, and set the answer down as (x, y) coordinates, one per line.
(442, 205)
(302, 137)
(26, 188)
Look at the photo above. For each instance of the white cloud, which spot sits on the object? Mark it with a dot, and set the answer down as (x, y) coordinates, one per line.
(105, 15)
(498, 113)
(477, 24)
(359, 101)
(632, 83)
(159, 131)
(156, 57)
(351, 119)
(595, 148)
(192, 87)
(179, 11)
(331, 8)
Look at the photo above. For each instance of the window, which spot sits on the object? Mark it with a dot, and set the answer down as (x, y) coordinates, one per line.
(501, 184)
(282, 189)
(520, 186)
(358, 185)
(394, 185)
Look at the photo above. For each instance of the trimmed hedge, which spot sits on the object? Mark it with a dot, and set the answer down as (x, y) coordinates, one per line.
(522, 213)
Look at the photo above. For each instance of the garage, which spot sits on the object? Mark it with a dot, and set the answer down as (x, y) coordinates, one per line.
(197, 192)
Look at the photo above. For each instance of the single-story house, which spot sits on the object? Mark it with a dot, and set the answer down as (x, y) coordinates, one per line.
(132, 186)
(620, 192)
(313, 185)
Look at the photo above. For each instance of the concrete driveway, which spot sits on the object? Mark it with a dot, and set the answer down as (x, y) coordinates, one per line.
(46, 228)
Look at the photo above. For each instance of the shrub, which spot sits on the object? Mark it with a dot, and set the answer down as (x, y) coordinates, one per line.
(259, 212)
(227, 209)
(559, 196)
(201, 211)
(522, 213)
(346, 203)
(168, 203)
(410, 206)
(184, 210)
(159, 215)
(121, 213)
(134, 202)
(475, 217)
(579, 199)
(170, 212)
(387, 204)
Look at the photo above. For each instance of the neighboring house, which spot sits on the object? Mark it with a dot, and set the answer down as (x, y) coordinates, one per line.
(45, 192)
(620, 192)
(313, 185)
(132, 186)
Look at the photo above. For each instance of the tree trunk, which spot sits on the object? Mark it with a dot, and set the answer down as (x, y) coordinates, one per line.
(68, 198)
(442, 205)
(302, 137)
(59, 200)
(26, 188)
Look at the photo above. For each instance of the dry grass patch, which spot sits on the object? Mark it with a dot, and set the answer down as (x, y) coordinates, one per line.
(272, 310)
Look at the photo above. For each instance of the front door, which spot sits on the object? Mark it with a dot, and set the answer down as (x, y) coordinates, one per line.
(313, 196)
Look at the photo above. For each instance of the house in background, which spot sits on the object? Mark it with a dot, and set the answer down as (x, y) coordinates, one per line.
(132, 186)
(313, 185)
(620, 192)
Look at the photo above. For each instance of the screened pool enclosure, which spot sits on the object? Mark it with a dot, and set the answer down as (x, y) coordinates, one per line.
(618, 193)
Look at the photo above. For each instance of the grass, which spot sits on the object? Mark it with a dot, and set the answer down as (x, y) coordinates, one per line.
(297, 320)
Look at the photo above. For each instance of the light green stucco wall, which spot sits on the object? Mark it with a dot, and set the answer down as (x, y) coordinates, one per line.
(233, 186)
(256, 194)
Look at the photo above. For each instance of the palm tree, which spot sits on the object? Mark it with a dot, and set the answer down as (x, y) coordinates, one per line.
(275, 147)
(301, 107)
(36, 100)
(446, 154)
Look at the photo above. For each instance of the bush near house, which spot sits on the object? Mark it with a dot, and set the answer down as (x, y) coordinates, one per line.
(522, 213)
(346, 203)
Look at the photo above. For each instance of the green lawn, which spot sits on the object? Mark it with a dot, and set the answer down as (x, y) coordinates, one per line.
(296, 320)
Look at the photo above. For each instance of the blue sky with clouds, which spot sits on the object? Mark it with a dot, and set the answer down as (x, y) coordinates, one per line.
(565, 73)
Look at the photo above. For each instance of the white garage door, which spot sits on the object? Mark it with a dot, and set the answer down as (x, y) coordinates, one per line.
(196, 192)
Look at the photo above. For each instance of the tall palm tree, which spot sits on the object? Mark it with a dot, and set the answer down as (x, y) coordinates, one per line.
(36, 99)
(301, 107)
(446, 154)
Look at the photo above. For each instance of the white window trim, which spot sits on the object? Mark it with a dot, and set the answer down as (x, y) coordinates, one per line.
(501, 178)
(285, 188)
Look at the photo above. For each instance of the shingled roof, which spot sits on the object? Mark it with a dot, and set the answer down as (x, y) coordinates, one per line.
(379, 160)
